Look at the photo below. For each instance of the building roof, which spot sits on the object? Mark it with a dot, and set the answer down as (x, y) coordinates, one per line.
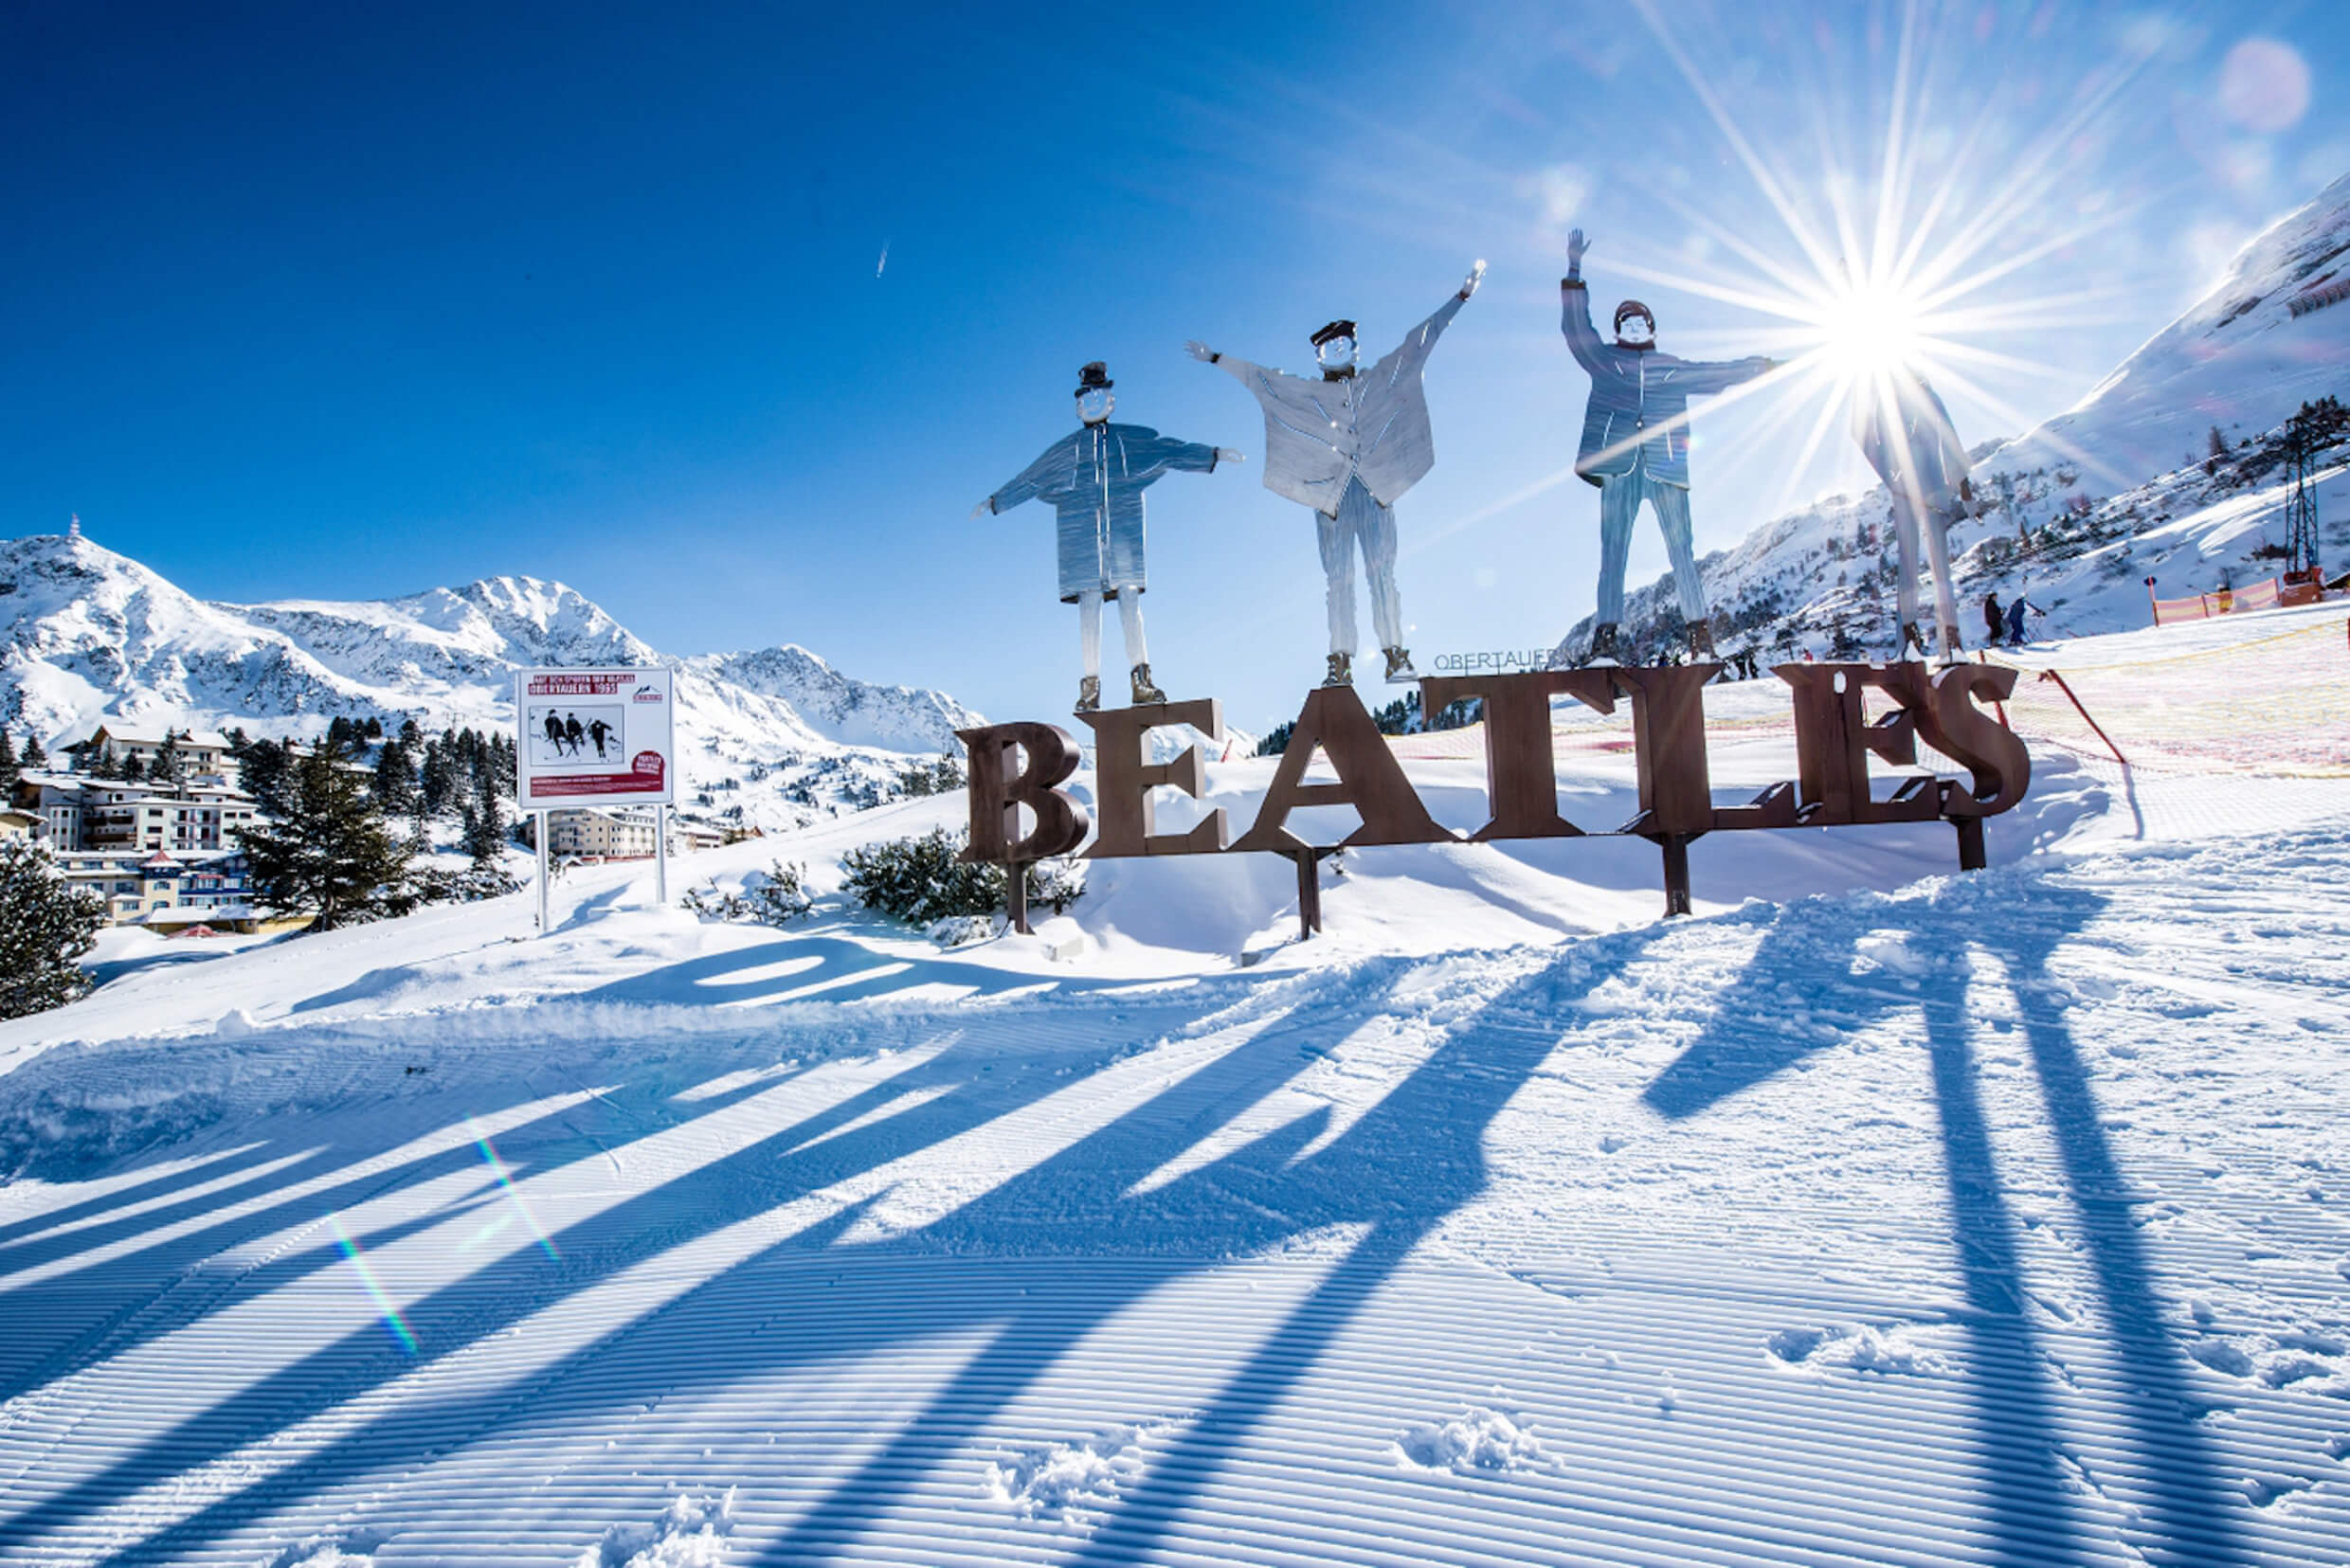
(139, 734)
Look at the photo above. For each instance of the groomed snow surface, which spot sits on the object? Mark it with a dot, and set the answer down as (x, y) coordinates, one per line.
(1878, 1215)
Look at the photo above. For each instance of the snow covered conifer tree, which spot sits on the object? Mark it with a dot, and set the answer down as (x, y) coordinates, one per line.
(331, 856)
(35, 754)
(8, 761)
(45, 925)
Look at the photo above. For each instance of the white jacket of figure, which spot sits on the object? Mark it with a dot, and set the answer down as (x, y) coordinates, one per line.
(1322, 431)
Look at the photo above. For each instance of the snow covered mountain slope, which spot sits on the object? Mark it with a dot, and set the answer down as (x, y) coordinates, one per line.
(87, 634)
(2271, 335)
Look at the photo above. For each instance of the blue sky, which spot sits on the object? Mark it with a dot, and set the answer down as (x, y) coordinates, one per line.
(338, 301)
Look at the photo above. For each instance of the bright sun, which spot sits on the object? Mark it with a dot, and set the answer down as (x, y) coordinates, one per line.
(1869, 332)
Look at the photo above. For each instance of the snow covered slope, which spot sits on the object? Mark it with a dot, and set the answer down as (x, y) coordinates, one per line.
(2241, 360)
(1876, 1216)
(88, 634)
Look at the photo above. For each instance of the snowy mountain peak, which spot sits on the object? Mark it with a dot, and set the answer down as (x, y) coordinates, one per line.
(87, 634)
(2273, 332)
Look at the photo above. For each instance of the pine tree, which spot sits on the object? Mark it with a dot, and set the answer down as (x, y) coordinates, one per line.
(166, 768)
(444, 782)
(331, 857)
(8, 772)
(35, 754)
(132, 770)
(45, 925)
(264, 770)
(395, 780)
(485, 826)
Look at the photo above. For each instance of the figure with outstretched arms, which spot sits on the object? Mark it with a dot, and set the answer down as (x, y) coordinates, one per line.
(1635, 445)
(1908, 437)
(1348, 443)
(1094, 480)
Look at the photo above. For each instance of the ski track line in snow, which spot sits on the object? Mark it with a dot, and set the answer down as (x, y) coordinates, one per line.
(1992, 1221)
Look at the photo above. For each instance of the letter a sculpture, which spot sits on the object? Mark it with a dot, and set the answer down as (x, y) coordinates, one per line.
(1906, 434)
(1349, 443)
(1635, 446)
(1094, 478)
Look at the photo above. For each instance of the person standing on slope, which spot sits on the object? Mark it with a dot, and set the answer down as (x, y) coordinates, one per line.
(1349, 444)
(1095, 480)
(1908, 437)
(1635, 445)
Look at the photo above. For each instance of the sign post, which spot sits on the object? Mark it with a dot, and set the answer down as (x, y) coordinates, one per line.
(592, 738)
(538, 839)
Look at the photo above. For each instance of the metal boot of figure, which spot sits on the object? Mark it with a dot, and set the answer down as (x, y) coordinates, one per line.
(1089, 693)
(1603, 649)
(1910, 637)
(1143, 691)
(1342, 671)
(1400, 664)
(1701, 641)
(1953, 651)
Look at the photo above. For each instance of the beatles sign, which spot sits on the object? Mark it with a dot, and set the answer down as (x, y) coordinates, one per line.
(1020, 767)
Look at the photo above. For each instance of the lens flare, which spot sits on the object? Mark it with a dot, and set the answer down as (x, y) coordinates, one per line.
(394, 1321)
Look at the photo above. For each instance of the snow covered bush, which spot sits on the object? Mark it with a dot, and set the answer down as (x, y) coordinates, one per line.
(45, 925)
(919, 881)
(776, 896)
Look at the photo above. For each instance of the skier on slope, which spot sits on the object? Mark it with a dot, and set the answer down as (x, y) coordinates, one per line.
(1094, 478)
(1635, 445)
(1908, 437)
(1349, 446)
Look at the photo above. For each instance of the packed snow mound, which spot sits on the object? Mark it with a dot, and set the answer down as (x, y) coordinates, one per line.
(2272, 333)
(770, 737)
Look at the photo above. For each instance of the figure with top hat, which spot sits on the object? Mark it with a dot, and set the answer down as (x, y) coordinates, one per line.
(1094, 478)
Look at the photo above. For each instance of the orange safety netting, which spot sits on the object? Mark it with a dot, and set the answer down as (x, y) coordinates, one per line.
(2279, 706)
(2260, 595)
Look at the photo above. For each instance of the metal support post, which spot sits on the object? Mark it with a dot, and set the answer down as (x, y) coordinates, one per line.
(1016, 896)
(538, 839)
(1308, 893)
(1971, 854)
(1675, 846)
(661, 855)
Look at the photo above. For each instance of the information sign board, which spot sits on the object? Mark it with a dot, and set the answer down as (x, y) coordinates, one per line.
(595, 737)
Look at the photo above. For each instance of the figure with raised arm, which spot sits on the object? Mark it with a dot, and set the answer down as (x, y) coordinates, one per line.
(1094, 480)
(1349, 444)
(1908, 437)
(1635, 446)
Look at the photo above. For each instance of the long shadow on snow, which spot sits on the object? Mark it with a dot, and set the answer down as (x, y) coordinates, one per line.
(2188, 1508)
(787, 1164)
(71, 1318)
(1406, 1163)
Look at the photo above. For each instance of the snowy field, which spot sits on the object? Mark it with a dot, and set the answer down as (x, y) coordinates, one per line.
(1878, 1215)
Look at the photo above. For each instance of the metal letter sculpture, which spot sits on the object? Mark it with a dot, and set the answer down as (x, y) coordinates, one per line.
(1835, 738)
(1635, 445)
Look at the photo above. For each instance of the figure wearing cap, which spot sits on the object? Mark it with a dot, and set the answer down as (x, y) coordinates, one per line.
(1094, 480)
(1349, 444)
(1635, 445)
